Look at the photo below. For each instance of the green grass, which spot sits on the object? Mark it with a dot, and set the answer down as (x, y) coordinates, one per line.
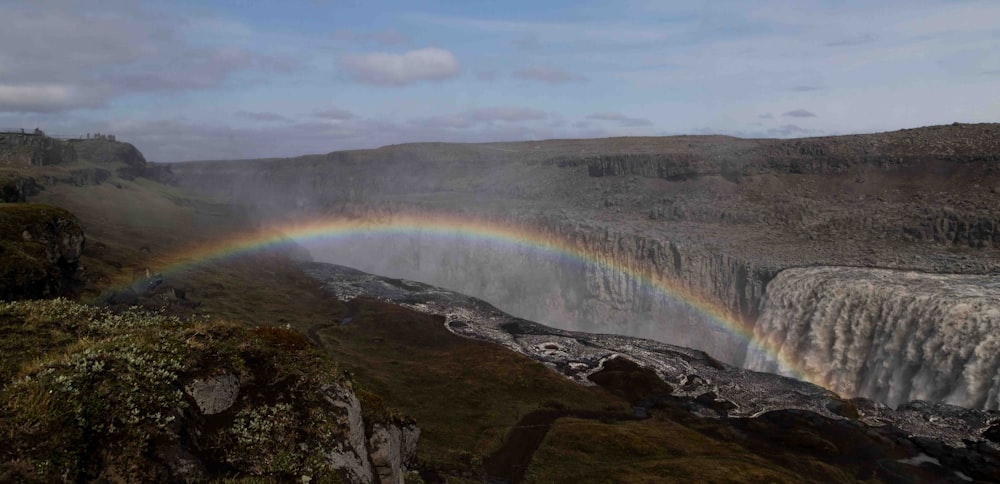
(654, 450)
(463, 394)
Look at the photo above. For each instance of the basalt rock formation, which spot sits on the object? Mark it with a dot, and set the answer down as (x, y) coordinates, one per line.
(718, 216)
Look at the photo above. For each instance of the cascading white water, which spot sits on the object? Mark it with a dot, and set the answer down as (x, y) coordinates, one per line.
(892, 336)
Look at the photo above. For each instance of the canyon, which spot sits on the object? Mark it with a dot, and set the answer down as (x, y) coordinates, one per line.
(791, 241)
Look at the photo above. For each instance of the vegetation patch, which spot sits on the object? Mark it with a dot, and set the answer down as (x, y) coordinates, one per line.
(94, 394)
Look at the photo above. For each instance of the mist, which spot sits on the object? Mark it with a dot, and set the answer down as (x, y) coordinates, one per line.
(526, 282)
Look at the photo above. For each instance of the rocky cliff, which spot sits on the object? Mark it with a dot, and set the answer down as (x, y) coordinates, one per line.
(40, 247)
(37, 150)
(892, 336)
(31, 149)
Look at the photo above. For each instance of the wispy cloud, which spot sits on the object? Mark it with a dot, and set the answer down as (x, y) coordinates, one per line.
(263, 116)
(799, 113)
(852, 41)
(487, 75)
(98, 53)
(549, 75)
(380, 37)
(336, 114)
(395, 70)
(480, 116)
(620, 119)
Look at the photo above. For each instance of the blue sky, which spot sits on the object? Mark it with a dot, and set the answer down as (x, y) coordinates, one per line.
(234, 79)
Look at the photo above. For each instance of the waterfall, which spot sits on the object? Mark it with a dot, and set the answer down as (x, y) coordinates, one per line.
(892, 336)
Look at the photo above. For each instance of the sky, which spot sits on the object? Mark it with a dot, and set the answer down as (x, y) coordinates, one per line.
(189, 80)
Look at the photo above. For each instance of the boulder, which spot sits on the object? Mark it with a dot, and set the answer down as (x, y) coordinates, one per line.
(214, 394)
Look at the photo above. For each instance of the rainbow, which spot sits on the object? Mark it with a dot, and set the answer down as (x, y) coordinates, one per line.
(449, 226)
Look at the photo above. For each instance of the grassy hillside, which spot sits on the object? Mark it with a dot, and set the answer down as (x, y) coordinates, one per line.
(92, 394)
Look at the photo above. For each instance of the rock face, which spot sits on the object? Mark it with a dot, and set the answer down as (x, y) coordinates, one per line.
(892, 336)
(381, 455)
(392, 450)
(31, 149)
(21, 150)
(40, 247)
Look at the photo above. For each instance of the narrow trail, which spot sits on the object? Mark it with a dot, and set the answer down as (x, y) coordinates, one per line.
(313, 332)
(509, 463)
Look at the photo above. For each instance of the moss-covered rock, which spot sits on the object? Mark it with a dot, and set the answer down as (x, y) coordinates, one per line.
(40, 247)
(108, 397)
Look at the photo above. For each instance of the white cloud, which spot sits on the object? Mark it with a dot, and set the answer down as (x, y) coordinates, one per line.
(98, 52)
(385, 69)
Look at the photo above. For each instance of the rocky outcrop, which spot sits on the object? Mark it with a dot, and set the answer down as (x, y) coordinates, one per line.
(31, 149)
(88, 176)
(393, 449)
(953, 227)
(892, 336)
(40, 248)
(145, 397)
(17, 189)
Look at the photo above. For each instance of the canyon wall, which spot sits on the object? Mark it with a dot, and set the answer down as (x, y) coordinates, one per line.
(892, 336)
